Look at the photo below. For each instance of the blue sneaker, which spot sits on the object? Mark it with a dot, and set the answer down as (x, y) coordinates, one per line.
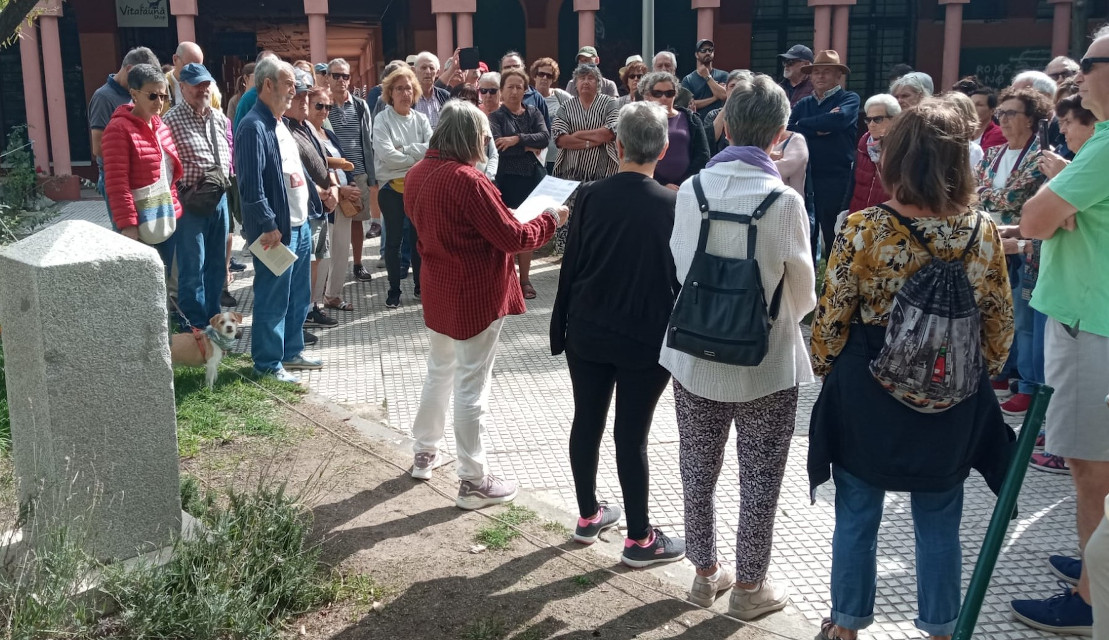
(1066, 612)
(662, 548)
(1066, 568)
(302, 362)
(588, 530)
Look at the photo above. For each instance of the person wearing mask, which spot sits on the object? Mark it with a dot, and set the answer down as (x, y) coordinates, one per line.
(761, 400)
(666, 61)
(866, 184)
(520, 135)
(276, 202)
(544, 73)
(706, 83)
(464, 321)
(828, 119)
(615, 293)
(688, 150)
(400, 139)
(797, 85)
(911, 88)
(141, 165)
(862, 437)
(588, 56)
(1069, 214)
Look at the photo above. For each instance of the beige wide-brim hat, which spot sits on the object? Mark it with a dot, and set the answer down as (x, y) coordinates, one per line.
(826, 58)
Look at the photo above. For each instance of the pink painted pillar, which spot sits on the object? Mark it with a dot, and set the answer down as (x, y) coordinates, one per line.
(464, 24)
(840, 32)
(55, 94)
(184, 12)
(952, 41)
(32, 97)
(316, 10)
(1060, 27)
(822, 28)
(444, 35)
(705, 17)
(587, 12)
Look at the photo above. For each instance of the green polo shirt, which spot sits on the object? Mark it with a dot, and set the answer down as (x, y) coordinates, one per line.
(1073, 264)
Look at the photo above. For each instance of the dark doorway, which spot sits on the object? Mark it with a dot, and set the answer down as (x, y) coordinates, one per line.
(502, 28)
(675, 31)
(882, 35)
(776, 28)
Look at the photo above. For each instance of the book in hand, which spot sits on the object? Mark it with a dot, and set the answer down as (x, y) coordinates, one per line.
(277, 258)
(550, 193)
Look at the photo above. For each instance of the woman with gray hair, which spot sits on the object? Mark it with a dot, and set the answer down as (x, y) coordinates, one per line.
(585, 132)
(761, 399)
(467, 239)
(615, 294)
(911, 88)
(866, 184)
(689, 148)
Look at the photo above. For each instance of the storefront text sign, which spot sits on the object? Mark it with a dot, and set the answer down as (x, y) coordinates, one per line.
(142, 13)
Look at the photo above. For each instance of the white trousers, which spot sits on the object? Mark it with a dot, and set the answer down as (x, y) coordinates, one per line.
(340, 255)
(1096, 557)
(466, 367)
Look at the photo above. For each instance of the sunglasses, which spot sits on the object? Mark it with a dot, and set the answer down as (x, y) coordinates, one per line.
(670, 93)
(487, 92)
(635, 76)
(340, 76)
(706, 50)
(323, 107)
(1008, 113)
(876, 119)
(156, 96)
(544, 74)
(1087, 64)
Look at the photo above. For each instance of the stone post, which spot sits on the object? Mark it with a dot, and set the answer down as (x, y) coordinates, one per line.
(90, 387)
(316, 10)
(587, 24)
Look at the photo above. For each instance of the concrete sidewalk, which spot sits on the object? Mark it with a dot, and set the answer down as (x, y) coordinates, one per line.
(375, 360)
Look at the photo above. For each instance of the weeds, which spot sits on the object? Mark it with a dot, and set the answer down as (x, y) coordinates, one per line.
(486, 629)
(583, 581)
(498, 535)
(556, 528)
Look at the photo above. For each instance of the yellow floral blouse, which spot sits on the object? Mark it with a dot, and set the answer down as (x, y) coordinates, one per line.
(873, 257)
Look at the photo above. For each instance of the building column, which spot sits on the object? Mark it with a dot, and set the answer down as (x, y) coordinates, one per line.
(444, 35)
(822, 28)
(1060, 27)
(831, 20)
(705, 17)
(67, 186)
(952, 42)
(32, 97)
(587, 11)
(316, 10)
(841, 17)
(464, 24)
(184, 12)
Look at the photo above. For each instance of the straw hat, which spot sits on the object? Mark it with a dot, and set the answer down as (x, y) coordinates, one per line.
(826, 58)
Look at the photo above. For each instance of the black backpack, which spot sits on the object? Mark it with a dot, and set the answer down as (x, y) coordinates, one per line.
(721, 313)
(932, 356)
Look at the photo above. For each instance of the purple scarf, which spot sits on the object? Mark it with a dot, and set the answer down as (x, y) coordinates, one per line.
(753, 156)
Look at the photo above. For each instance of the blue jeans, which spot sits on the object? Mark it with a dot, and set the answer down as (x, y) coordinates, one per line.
(201, 263)
(936, 519)
(1029, 343)
(281, 306)
(104, 194)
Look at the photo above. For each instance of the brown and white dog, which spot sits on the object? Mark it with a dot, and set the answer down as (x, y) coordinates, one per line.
(205, 348)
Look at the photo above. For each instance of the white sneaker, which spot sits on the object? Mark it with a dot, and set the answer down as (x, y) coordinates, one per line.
(706, 589)
(424, 463)
(748, 605)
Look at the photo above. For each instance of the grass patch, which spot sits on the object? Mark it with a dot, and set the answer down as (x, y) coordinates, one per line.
(498, 535)
(556, 528)
(233, 407)
(583, 581)
(357, 589)
(486, 629)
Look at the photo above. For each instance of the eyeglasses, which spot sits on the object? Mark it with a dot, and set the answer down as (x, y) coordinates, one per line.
(876, 119)
(544, 74)
(156, 96)
(340, 76)
(487, 91)
(1087, 64)
(1008, 113)
(323, 107)
(669, 93)
(635, 76)
(706, 50)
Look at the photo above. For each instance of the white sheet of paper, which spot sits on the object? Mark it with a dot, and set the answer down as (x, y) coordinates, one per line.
(551, 192)
(277, 258)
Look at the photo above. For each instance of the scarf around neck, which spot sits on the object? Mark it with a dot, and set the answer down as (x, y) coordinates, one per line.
(752, 156)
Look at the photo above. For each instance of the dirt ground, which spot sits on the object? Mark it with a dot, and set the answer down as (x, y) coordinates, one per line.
(417, 548)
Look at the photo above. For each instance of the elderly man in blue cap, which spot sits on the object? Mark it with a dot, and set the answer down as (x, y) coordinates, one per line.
(797, 85)
(201, 134)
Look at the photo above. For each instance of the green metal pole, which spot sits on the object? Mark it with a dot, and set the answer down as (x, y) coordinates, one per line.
(1002, 514)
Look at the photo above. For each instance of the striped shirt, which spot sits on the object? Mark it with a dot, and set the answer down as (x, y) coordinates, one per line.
(595, 162)
(193, 135)
(347, 125)
(429, 106)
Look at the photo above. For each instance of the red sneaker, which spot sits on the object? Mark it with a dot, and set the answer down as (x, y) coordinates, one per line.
(1040, 440)
(1049, 463)
(1001, 387)
(1017, 405)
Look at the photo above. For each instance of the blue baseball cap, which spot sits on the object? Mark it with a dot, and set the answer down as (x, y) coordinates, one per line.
(193, 74)
(321, 67)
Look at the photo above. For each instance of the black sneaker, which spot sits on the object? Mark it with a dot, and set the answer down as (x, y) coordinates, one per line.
(588, 531)
(662, 549)
(309, 339)
(361, 273)
(236, 266)
(227, 300)
(392, 300)
(317, 318)
(416, 292)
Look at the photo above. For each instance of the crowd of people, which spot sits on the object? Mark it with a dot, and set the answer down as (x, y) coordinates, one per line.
(1001, 185)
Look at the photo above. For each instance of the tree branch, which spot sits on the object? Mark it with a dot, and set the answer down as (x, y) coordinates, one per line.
(12, 18)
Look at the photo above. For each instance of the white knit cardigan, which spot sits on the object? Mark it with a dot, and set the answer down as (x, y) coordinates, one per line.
(782, 250)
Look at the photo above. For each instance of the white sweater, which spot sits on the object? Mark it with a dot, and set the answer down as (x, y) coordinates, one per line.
(399, 143)
(782, 250)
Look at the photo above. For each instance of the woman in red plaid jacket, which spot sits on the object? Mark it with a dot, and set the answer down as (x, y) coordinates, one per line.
(467, 238)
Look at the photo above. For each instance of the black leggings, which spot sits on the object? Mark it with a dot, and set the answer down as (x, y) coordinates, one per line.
(392, 210)
(637, 393)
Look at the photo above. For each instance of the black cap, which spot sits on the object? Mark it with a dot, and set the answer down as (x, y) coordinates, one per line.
(798, 52)
(701, 43)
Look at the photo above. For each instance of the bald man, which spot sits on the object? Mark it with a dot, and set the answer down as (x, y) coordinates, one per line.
(187, 52)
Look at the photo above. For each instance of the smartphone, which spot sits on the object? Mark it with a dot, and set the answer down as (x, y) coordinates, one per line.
(1042, 132)
(469, 58)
